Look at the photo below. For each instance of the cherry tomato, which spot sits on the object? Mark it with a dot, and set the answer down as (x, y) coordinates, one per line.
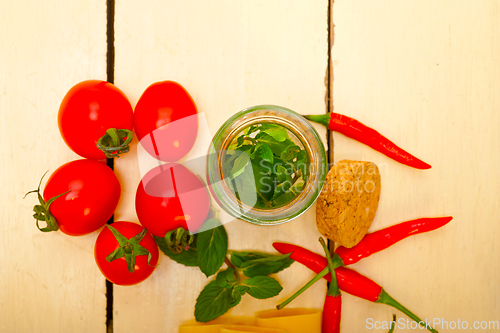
(166, 122)
(117, 270)
(93, 195)
(87, 111)
(171, 196)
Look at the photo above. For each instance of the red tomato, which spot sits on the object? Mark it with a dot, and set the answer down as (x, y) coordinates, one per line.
(116, 271)
(94, 195)
(171, 196)
(165, 121)
(87, 111)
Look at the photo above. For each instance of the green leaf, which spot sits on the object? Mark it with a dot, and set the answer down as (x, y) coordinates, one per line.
(186, 258)
(266, 153)
(212, 302)
(282, 188)
(290, 153)
(225, 278)
(250, 130)
(276, 146)
(278, 133)
(282, 174)
(239, 165)
(302, 163)
(257, 264)
(238, 258)
(290, 194)
(237, 293)
(211, 246)
(262, 287)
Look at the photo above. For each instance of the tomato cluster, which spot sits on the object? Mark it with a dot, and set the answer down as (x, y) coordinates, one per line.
(96, 121)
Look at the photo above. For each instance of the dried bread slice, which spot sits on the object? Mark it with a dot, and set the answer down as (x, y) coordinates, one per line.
(348, 201)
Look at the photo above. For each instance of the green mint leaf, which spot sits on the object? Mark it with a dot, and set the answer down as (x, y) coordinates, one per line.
(302, 163)
(236, 295)
(278, 133)
(290, 153)
(238, 258)
(266, 153)
(257, 264)
(239, 165)
(225, 278)
(253, 152)
(282, 174)
(212, 302)
(262, 287)
(242, 289)
(244, 186)
(186, 258)
(211, 246)
(290, 194)
(282, 188)
(276, 146)
(250, 130)
(244, 148)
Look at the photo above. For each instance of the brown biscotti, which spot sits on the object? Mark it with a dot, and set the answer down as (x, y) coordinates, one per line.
(348, 201)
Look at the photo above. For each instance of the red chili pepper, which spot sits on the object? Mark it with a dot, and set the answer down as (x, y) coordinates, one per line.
(333, 301)
(382, 239)
(331, 314)
(348, 280)
(353, 129)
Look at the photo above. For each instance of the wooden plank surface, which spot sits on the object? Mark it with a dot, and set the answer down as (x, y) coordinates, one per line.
(49, 282)
(426, 74)
(229, 55)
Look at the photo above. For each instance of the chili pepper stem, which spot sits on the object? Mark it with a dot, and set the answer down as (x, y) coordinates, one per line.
(323, 119)
(385, 298)
(333, 290)
(393, 324)
(315, 279)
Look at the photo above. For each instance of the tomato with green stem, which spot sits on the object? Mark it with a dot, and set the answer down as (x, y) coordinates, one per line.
(166, 121)
(96, 120)
(126, 253)
(79, 198)
(172, 202)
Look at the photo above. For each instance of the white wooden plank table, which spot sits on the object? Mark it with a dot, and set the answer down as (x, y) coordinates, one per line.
(424, 73)
(48, 282)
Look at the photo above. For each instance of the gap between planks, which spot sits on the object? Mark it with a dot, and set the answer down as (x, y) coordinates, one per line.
(110, 73)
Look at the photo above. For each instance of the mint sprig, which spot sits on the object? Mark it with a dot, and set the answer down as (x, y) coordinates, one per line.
(246, 273)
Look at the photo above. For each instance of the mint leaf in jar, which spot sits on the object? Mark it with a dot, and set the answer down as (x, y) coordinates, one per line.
(277, 163)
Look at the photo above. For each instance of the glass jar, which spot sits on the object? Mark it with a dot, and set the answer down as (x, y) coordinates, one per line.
(300, 132)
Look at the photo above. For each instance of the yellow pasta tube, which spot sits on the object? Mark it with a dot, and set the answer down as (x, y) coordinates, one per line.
(293, 320)
(199, 328)
(242, 328)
